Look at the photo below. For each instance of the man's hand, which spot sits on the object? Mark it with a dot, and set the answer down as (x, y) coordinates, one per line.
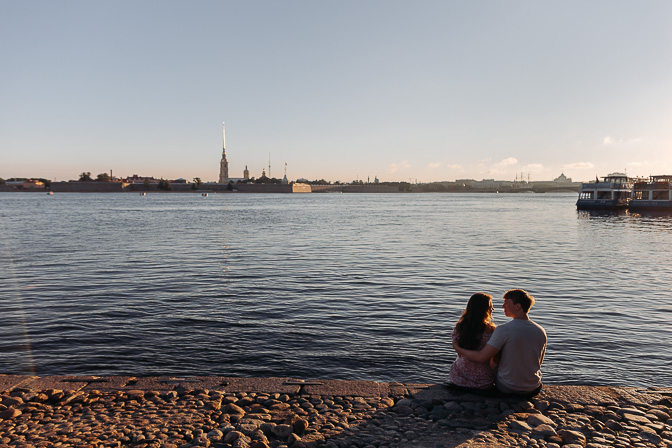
(483, 356)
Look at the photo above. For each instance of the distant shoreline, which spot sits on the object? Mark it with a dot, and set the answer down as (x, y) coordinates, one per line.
(271, 188)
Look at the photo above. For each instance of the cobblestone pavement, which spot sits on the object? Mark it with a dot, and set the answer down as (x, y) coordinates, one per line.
(284, 412)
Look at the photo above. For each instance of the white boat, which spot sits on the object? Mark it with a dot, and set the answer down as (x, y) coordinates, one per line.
(614, 191)
(654, 194)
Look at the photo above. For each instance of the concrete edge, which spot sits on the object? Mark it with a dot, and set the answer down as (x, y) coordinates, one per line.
(290, 386)
(575, 395)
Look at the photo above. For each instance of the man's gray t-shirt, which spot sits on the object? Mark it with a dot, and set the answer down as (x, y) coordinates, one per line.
(522, 344)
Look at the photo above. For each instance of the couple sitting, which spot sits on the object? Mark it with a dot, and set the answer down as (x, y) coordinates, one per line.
(509, 356)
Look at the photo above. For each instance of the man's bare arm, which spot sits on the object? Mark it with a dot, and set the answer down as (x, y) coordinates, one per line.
(484, 355)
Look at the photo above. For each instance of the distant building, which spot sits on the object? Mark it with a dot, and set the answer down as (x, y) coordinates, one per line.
(246, 173)
(30, 184)
(562, 179)
(491, 184)
(284, 179)
(465, 182)
(135, 179)
(560, 182)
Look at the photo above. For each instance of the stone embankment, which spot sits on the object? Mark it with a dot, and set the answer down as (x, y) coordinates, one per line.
(223, 412)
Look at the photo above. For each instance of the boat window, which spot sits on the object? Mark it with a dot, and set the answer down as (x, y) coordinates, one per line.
(586, 195)
(661, 195)
(604, 195)
(639, 194)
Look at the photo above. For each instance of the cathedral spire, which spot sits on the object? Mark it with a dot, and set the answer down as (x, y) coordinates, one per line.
(223, 164)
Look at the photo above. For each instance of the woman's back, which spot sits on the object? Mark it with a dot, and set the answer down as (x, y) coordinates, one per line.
(472, 374)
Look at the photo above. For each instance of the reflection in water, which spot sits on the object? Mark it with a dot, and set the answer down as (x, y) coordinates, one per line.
(603, 214)
(648, 220)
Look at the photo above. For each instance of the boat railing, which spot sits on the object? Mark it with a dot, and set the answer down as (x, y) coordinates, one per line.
(613, 185)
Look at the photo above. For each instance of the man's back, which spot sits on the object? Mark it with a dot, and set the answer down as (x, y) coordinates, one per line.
(522, 344)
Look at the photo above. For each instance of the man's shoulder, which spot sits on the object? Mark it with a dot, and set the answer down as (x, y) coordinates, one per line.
(517, 324)
(536, 331)
(507, 325)
(537, 326)
(499, 329)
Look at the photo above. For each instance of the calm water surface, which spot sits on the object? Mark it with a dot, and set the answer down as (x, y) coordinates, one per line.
(343, 286)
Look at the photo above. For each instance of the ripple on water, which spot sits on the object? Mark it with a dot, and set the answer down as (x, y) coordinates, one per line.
(332, 286)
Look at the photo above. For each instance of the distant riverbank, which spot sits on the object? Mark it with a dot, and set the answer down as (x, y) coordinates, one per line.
(117, 187)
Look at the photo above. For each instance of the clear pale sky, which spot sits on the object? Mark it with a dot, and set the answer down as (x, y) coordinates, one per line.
(340, 90)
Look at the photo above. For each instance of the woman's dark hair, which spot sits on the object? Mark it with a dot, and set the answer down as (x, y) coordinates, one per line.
(477, 317)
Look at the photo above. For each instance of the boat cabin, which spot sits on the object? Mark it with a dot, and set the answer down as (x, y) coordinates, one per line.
(613, 190)
(656, 189)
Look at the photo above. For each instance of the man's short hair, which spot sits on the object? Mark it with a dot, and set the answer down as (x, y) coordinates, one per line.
(520, 296)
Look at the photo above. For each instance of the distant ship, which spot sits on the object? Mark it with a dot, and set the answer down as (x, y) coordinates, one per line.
(613, 192)
(654, 194)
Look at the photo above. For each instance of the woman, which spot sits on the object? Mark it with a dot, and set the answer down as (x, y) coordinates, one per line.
(472, 332)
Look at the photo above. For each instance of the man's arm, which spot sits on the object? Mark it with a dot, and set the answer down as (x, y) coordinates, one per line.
(484, 355)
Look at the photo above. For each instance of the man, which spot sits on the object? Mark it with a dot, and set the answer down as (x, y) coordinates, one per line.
(522, 344)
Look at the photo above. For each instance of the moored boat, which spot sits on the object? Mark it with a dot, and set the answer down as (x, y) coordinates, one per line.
(613, 191)
(654, 194)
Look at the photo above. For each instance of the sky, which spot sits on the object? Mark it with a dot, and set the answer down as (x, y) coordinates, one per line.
(342, 90)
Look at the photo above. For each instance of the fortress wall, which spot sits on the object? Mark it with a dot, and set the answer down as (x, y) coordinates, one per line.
(355, 188)
(88, 187)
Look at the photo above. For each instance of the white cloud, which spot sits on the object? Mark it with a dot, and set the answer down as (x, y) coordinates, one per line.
(507, 162)
(394, 167)
(455, 167)
(578, 166)
(619, 141)
(434, 165)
